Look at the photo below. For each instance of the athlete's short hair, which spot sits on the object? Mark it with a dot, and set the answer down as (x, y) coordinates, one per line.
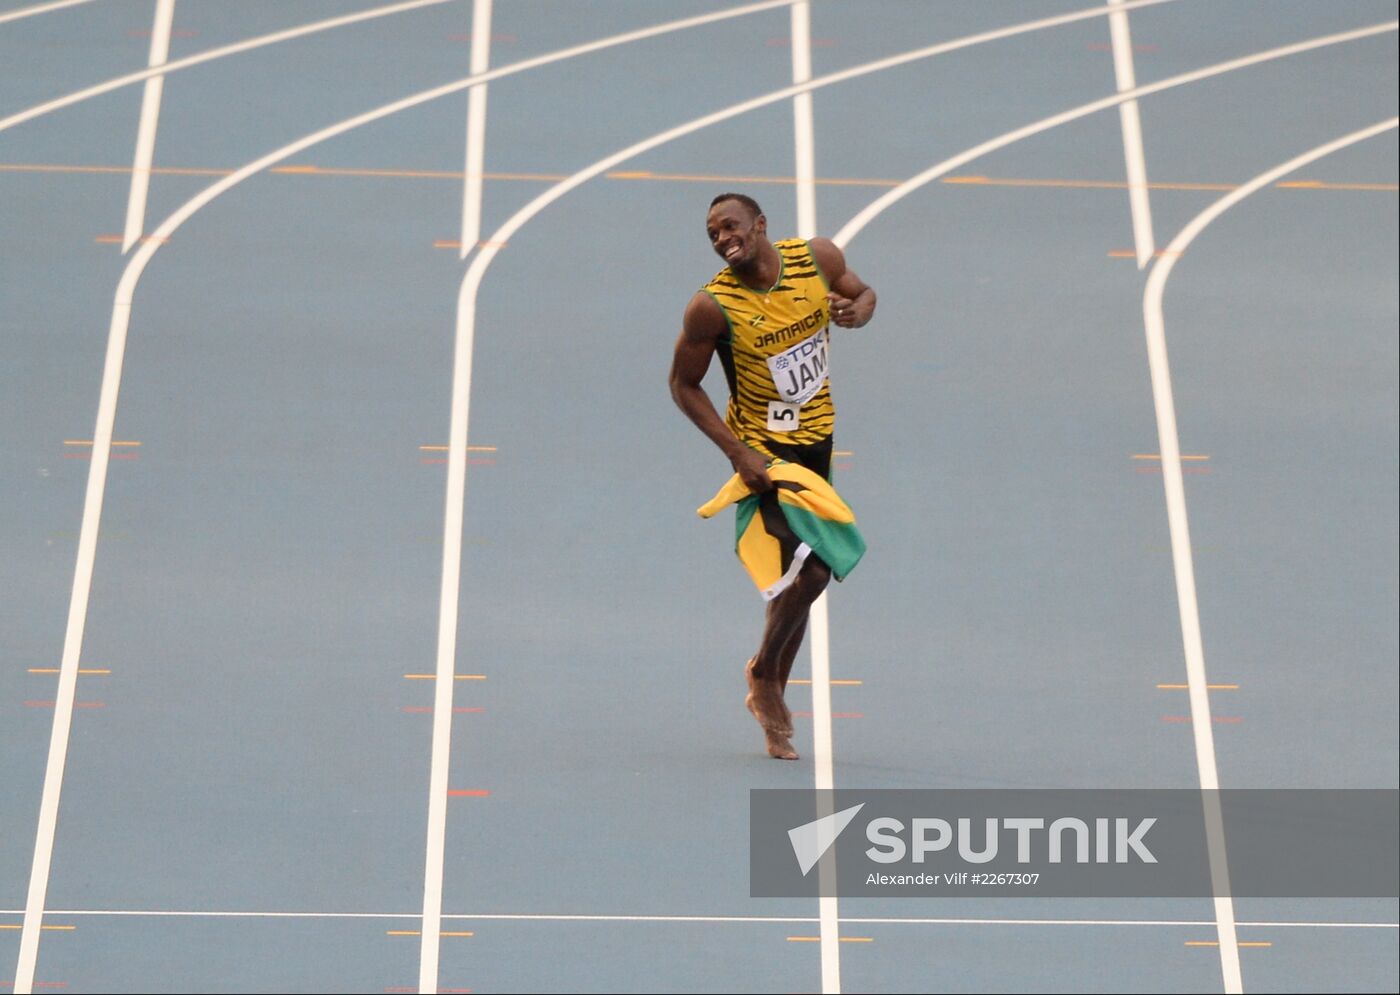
(742, 198)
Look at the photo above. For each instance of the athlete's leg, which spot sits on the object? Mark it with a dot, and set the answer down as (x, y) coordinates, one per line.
(787, 621)
(789, 654)
(782, 636)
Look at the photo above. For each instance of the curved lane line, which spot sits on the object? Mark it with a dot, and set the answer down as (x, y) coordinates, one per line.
(466, 305)
(130, 277)
(455, 503)
(1130, 123)
(1190, 620)
(875, 207)
(42, 8)
(455, 510)
(146, 127)
(474, 171)
(121, 316)
(435, 843)
(1224, 907)
(77, 96)
(106, 419)
(1182, 566)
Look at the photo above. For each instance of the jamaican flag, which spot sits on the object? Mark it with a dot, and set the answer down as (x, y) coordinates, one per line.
(776, 531)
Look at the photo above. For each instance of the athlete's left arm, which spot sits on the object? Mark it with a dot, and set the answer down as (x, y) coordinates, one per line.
(852, 300)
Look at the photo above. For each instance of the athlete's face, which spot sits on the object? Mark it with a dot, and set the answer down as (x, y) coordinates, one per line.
(736, 233)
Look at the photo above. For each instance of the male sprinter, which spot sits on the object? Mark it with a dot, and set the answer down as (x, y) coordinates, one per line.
(766, 315)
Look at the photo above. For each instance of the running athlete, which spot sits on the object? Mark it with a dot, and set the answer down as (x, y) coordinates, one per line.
(766, 315)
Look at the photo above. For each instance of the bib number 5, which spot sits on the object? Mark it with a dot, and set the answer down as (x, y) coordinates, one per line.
(784, 417)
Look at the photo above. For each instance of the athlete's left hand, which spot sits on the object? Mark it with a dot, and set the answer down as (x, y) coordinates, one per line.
(848, 313)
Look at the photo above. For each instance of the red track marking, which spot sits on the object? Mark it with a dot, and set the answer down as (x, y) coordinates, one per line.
(467, 793)
(117, 239)
(834, 715)
(1224, 719)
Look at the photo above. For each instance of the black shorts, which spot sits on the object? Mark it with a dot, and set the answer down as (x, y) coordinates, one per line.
(815, 456)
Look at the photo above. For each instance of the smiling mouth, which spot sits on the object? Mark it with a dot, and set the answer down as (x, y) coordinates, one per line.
(733, 252)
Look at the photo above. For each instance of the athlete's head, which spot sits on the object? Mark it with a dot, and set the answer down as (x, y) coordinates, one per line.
(737, 229)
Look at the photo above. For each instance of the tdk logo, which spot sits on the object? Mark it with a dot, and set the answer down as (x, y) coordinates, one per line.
(1064, 840)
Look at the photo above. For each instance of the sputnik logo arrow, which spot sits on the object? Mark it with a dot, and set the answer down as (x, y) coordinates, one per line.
(812, 839)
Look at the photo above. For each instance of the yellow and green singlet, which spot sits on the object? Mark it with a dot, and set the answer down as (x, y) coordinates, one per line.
(776, 352)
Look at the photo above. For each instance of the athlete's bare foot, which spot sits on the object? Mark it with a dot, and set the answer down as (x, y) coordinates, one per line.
(765, 701)
(779, 747)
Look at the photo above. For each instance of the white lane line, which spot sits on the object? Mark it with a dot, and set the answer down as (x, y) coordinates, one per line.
(131, 275)
(476, 128)
(1224, 906)
(72, 648)
(101, 451)
(77, 96)
(203, 198)
(828, 911)
(126, 287)
(162, 234)
(804, 139)
(896, 194)
(146, 130)
(801, 24)
(1131, 122)
(584, 917)
(42, 8)
(464, 337)
(453, 514)
(435, 845)
(1188, 608)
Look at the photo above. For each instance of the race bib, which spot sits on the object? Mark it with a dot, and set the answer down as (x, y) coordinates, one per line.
(783, 417)
(799, 372)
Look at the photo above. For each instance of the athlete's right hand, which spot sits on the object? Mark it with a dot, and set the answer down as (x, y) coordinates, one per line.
(752, 469)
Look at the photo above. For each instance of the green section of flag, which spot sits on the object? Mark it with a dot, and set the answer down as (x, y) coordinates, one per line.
(839, 544)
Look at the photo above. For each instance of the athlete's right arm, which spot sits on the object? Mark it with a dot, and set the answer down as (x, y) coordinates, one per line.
(701, 332)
